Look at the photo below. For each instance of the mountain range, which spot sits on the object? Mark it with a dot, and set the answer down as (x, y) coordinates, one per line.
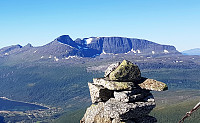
(56, 74)
(195, 51)
(64, 47)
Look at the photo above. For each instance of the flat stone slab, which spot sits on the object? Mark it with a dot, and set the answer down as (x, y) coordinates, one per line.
(113, 85)
(99, 94)
(153, 85)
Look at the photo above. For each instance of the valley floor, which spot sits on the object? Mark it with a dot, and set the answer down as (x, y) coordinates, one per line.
(64, 85)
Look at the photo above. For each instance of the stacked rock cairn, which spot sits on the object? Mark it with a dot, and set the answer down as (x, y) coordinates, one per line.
(122, 96)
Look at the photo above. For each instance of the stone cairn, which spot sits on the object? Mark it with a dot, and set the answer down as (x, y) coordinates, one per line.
(122, 96)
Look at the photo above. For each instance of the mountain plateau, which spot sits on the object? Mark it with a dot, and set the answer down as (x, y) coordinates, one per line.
(64, 47)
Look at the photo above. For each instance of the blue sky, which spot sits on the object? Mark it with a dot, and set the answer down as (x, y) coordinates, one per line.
(173, 22)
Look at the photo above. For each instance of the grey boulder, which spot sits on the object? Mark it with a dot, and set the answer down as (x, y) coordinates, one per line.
(98, 93)
(125, 111)
(130, 96)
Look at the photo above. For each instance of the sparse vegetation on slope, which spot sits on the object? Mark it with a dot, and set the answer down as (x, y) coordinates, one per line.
(174, 113)
(63, 84)
(51, 85)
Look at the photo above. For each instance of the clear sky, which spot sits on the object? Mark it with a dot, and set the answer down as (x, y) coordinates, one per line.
(173, 22)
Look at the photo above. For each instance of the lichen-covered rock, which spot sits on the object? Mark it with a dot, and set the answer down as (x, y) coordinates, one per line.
(98, 93)
(130, 96)
(101, 119)
(125, 111)
(153, 85)
(111, 68)
(126, 71)
(92, 112)
(113, 85)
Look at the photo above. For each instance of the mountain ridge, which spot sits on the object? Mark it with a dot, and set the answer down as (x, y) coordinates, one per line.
(64, 46)
(195, 51)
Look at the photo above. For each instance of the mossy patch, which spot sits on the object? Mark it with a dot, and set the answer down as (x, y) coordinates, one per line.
(113, 85)
(126, 71)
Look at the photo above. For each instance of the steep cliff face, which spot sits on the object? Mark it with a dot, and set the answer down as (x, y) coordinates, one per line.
(115, 45)
(64, 47)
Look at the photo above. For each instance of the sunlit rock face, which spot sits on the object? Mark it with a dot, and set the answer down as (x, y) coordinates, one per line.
(122, 96)
(94, 46)
(65, 47)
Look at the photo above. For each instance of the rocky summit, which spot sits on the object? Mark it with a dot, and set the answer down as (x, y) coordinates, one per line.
(122, 96)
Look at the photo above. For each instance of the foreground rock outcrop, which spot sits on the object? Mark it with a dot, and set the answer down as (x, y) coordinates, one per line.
(122, 96)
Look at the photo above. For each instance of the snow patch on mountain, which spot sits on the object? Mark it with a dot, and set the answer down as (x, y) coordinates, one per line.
(89, 40)
(103, 52)
(166, 51)
(138, 51)
(71, 57)
(6, 54)
(133, 51)
(56, 59)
